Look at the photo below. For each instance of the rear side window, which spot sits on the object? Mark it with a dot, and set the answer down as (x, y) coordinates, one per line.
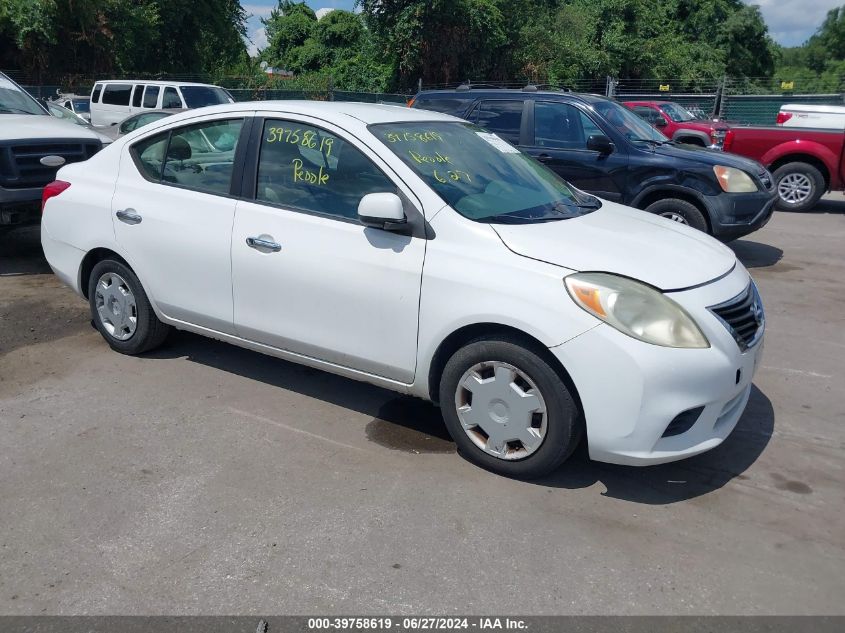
(95, 95)
(171, 98)
(502, 117)
(202, 156)
(137, 95)
(149, 155)
(455, 107)
(151, 97)
(117, 94)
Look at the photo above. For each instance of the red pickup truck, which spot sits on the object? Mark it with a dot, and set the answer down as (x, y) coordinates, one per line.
(805, 162)
(679, 124)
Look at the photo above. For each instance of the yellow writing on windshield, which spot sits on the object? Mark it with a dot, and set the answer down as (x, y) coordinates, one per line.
(414, 137)
(451, 175)
(424, 158)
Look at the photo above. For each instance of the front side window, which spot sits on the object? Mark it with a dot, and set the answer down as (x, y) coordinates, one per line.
(151, 96)
(308, 168)
(13, 100)
(117, 94)
(502, 117)
(677, 113)
(171, 98)
(480, 175)
(562, 126)
(201, 96)
(81, 105)
(646, 113)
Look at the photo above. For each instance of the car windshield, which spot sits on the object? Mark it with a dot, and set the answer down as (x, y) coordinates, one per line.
(13, 100)
(63, 113)
(627, 123)
(677, 113)
(81, 105)
(481, 176)
(201, 96)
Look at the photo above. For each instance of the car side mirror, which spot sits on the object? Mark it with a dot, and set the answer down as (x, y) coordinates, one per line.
(660, 123)
(382, 211)
(600, 143)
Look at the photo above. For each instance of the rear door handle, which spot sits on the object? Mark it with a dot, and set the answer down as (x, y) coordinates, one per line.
(261, 243)
(130, 216)
(544, 158)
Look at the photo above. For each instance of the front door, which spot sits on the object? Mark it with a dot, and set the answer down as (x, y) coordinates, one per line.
(560, 134)
(308, 277)
(173, 214)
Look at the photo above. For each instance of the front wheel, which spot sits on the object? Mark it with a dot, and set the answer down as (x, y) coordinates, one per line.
(799, 186)
(121, 310)
(507, 409)
(679, 211)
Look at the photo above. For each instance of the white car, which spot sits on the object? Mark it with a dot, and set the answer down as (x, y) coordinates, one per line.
(827, 117)
(417, 252)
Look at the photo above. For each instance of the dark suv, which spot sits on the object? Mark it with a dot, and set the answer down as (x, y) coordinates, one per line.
(603, 148)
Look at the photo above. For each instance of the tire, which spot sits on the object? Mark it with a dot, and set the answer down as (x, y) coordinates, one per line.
(559, 430)
(121, 311)
(802, 187)
(680, 211)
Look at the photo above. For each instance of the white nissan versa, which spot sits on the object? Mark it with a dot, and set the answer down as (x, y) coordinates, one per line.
(415, 251)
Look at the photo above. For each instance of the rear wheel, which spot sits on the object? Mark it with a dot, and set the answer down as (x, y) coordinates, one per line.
(507, 409)
(799, 186)
(121, 311)
(679, 211)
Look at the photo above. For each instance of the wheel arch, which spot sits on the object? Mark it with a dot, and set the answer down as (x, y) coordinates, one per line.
(91, 259)
(650, 196)
(699, 138)
(467, 333)
(804, 158)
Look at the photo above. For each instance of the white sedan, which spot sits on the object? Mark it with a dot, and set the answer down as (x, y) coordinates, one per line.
(417, 252)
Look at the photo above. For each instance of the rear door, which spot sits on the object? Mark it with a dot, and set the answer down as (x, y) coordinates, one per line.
(172, 214)
(558, 138)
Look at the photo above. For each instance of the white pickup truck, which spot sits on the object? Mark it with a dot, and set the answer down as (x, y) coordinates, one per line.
(822, 117)
(33, 145)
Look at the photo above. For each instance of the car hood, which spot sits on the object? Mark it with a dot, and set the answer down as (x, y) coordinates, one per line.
(708, 157)
(35, 127)
(625, 241)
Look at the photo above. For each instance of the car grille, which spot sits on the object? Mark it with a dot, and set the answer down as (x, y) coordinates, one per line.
(20, 161)
(743, 317)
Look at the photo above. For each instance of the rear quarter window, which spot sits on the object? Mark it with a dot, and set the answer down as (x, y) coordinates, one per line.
(95, 95)
(455, 107)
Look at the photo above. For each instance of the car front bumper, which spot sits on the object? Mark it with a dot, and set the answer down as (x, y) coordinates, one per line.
(734, 215)
(631, 391)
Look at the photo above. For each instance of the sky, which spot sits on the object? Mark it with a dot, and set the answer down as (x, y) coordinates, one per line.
(790, 22)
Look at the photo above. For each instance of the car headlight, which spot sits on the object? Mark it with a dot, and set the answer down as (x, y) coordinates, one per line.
(635, 309)
(734, 180)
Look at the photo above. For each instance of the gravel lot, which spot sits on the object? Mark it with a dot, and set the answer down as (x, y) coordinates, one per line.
(205, 479)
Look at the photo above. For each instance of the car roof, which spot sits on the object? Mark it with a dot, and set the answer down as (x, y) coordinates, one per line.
(655, 103)
(484, 93)
(154, 82)
(367, 113)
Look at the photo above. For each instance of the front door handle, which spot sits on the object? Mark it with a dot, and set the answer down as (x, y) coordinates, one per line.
(263, 244)
(544, 158)
(130, 216)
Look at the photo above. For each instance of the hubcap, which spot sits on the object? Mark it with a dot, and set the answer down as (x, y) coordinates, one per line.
(501, 410)
(116, 306)
(795, 188)
(675, 217)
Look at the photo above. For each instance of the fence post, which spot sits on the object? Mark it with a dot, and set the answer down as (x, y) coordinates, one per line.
(721, 98)
(419, 85)
(331, 88)
(610, 87)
